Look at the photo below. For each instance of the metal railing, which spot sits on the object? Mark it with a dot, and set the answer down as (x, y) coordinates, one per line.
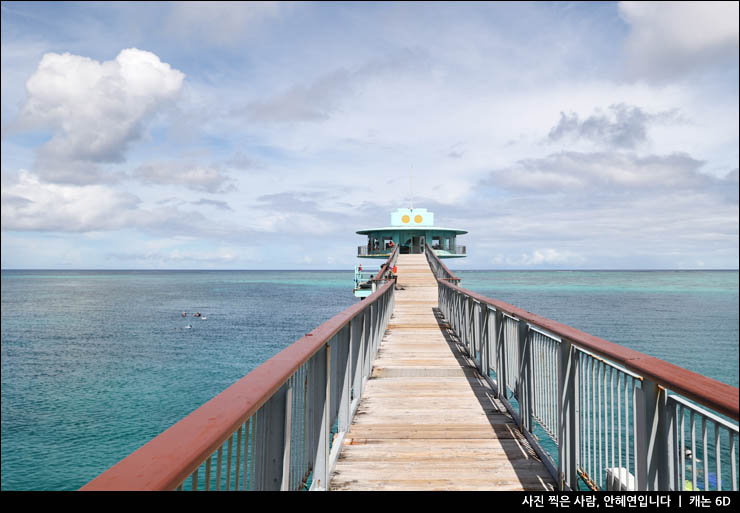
(385, 273)
(278, 428)
(438, 268)
(377, 252)
(599, 415)
(457, 250)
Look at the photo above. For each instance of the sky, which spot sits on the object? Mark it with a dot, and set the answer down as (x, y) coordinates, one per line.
(263, 135)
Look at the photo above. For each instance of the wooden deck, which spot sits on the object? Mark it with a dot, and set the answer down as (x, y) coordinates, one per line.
(427, 419)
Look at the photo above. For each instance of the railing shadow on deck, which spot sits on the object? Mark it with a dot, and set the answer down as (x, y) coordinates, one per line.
(533, 475)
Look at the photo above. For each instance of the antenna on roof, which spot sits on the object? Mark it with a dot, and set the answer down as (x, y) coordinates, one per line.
(411, 187)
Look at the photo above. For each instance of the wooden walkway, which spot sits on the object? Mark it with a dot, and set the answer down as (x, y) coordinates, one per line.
(427, 419)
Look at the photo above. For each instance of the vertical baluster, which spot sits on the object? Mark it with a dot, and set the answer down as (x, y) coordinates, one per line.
(683, 448)
(208, 472)
(591, 428)
(237, 467)
(501, 379)
(588, 415)
(228, 463)
(705, 453)
(597, 477)
(534, 375)
(544, 392)
(194, 483)
(554, 400)
(247, 455)
(288, 431)
(597, 423)
(733, 465)
(717, 457)
(543, 388)
(582, 368)
(611, 424)
(626, 429)
(619, 422)
(219, 462)
(545, 376)
(639, 469)
(609, 420)
(547, 385)
(676, 448)
(568, 421)
(296, 459)
(254, 442)
(693, 451)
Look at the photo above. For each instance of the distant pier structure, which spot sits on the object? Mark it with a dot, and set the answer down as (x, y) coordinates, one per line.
(411, 229)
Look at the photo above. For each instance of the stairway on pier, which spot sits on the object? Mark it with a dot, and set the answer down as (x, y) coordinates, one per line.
(427, 419)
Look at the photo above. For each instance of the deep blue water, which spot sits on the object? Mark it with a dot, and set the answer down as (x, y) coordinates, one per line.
(96, 363)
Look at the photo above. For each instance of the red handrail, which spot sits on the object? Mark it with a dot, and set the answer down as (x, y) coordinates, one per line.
(708, 392)
(385, 266)
(164, 462)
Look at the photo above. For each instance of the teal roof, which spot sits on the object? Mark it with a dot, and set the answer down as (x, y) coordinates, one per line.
(412, 219)
(411, 228)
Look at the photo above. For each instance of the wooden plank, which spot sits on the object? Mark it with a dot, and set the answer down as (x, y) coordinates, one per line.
(427, 420)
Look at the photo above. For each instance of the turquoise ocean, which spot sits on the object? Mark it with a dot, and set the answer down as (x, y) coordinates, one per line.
(97, 363)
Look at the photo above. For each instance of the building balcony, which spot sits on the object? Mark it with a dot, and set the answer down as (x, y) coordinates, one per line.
(364, 251)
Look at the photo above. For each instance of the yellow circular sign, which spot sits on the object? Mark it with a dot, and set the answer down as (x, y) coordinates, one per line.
(405, 219)
(418, 219)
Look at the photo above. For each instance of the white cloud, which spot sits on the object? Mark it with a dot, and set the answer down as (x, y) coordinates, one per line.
(195, 176)
(222, 23)
(623, 126)
(33, 205)
(671, 38)
(93, 109)
(544, 257)
(550, 256)
(603, 172)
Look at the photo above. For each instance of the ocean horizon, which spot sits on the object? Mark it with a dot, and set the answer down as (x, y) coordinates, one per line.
(95, 363)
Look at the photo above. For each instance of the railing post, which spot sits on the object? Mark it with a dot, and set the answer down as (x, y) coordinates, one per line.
(345, 401)
(285, 485)
(500, 355)
(357, 345)
(468, 323)
(270, 436)
(321, 466)
(568, 416)
(460, 317)
(652, 460)
(474, 333)
(525, 375)
(485, 340)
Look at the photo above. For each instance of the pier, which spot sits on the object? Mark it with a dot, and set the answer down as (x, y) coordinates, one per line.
(424, 385)
(427, 419)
